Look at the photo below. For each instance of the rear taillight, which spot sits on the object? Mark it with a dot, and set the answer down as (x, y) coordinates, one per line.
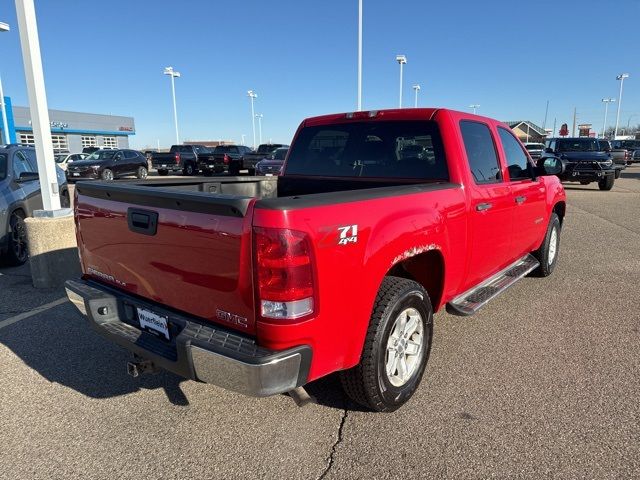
(177, 157)
(226, 158)
(284, 273)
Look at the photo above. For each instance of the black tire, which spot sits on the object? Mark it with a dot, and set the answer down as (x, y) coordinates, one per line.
(142, 173)
(65, 201)
(368, 383)
(234, 168)
(189, 170)
(162, 173)
(606, 183)
(18, 251)
(547, 267)
(584, 182)
(618, 172)
(252, 171)
(107, 175)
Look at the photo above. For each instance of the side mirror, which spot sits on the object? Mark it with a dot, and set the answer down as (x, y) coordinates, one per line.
(28, 176)
(550, 166)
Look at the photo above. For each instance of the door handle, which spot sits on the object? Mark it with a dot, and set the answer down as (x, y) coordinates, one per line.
(520, 199)
(142, 221)
(483, 206)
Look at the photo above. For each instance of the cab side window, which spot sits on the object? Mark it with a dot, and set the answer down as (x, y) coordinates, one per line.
(481, 152)
(21, 164)
(517, 160)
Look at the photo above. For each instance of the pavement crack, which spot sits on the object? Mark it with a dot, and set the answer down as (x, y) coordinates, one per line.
(334, 447)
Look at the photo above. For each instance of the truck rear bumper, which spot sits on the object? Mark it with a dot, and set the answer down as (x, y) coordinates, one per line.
(197, 350)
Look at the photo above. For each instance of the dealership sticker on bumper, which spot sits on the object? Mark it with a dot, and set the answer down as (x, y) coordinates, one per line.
(76, 174)
(153, 322)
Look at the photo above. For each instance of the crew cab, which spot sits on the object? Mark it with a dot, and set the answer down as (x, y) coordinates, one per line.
(263, 284)
(180, 158)
(584, 161)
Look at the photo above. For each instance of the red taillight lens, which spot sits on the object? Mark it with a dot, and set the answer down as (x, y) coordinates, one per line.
(226, 158)
(284, 273)
(177, 158)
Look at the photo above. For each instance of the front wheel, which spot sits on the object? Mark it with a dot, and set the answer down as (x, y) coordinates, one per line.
(548, 252)
(396, 349)
(107, 175)
(606, 183)
(142, 173)
(18, 252)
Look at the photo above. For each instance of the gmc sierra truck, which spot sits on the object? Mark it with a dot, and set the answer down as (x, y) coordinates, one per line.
(263, 284)
(181, 158)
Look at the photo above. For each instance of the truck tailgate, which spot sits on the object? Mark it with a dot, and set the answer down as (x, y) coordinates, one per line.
(190, 251)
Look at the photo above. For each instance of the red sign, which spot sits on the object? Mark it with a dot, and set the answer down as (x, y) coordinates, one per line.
(564, 130)
(125, 129)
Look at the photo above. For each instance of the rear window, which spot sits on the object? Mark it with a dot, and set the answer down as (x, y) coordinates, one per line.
(373, 149)
(3, 166)
(224, 149)
(577, 145)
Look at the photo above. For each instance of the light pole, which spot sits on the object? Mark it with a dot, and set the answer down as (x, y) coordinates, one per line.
(242, 142)
(474, 106)
(259, 117)
(4, 27)
(620, 77)
(606, 102)
(173, 74)
(416, 89)
(359, 55)
(253, 95)
(401, 59)
(37, 94)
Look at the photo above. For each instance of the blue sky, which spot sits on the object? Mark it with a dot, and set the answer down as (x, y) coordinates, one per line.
(300, 57)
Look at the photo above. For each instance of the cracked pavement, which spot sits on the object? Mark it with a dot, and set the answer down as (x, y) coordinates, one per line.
(543, 382)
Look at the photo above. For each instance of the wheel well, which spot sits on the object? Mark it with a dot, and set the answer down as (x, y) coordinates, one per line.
(560, 208)
(425, 268)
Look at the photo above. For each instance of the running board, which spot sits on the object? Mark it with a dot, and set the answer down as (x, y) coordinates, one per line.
(470, 301)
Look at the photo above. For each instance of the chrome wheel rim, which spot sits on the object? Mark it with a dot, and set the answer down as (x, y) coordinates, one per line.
(404, 347)
(143, 172)
(108, 175)
(553, 246)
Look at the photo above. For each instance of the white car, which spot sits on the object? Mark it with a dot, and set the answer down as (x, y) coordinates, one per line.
(63, 159)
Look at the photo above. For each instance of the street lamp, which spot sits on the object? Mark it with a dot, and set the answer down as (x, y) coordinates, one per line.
(620, 77)
(606, 102)
(253, 95)
(242, 141)
(259, 117)
(416, 88)
(173, 74)
(401, 59)
(4, 27)
(359, 55)
(474, 106)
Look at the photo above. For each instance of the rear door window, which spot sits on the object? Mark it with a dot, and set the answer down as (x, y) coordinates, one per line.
(481, 152)
(371, 149)
(21, 164)
(130, 154)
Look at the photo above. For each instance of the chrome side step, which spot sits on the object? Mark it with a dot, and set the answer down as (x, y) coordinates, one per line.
(470, 301)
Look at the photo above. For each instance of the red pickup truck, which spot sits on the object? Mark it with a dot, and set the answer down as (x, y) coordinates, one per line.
(263, 285)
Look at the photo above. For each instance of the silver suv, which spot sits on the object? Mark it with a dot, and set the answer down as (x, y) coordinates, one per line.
(19, 197)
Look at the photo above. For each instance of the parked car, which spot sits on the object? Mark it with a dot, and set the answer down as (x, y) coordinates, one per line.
(584, 160)
(19, 197)
(62, 159)
(227, 158)
(629, 145)
(619, 162)
(269, 283)
(272, 165)
(535, 149)
(250, 159)
(181, 158)
(636, 156)
(109, 165)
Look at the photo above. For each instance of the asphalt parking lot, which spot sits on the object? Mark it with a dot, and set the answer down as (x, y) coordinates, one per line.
(544, 382)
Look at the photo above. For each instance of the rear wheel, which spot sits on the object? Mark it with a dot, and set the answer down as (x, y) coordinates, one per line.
(163, 172)
(188, 169)
(606, 183)
(18, 252)
(548, 252)
(107, 175)
(396, 349)
(142, 173)
(618, 172)
(234, 168)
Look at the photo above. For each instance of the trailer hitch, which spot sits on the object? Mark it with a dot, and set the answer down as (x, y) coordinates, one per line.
(140, 365)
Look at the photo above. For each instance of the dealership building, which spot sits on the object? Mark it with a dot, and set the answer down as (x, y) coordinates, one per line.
(70, 131)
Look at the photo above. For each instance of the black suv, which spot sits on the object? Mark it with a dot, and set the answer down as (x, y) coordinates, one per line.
(19, 197)
(584, 160)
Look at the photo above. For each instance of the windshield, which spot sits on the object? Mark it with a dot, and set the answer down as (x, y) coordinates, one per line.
(578, 145)
(102, 155)
(371, 149)
(60, 158)
(3, 166)
(534, 146)
(265, 149)
(279, 154)
(201, 150)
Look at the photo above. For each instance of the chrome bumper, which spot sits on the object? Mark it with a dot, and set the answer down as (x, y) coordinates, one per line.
(197, 350)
